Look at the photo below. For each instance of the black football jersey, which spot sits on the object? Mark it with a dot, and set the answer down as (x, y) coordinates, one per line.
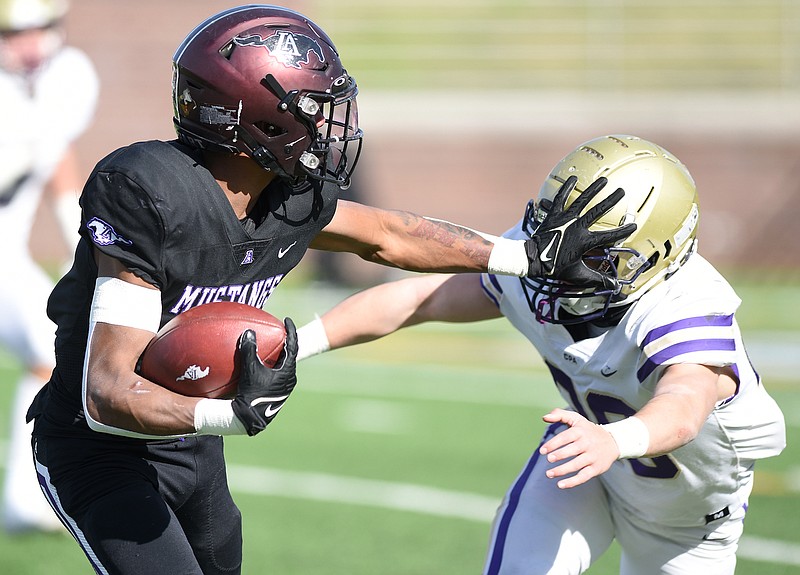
(154, 207)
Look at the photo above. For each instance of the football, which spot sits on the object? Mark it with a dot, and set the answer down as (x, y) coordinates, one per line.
(195, 353)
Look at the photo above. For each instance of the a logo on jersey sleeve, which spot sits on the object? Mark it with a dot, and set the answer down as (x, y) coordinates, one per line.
(286, 47)
(103, 234)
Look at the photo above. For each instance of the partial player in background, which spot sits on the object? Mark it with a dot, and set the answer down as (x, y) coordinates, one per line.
(665, 416)
(48, 93)
(268, 135)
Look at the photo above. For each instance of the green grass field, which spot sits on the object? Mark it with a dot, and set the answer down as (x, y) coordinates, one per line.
(391, 458)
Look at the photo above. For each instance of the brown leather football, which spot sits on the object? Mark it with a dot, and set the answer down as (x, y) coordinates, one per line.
(195, 353)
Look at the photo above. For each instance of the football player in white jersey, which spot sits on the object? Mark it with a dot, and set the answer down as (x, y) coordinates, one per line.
(48, 92)
(665, 416)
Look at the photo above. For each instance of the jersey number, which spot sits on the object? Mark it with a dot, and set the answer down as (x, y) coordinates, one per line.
(661, 467)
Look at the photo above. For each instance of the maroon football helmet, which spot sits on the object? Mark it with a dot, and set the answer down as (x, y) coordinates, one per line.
(268, 82)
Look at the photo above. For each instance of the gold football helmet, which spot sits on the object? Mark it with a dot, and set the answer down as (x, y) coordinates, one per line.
(660, 198)
(30, 33)
(16, 15)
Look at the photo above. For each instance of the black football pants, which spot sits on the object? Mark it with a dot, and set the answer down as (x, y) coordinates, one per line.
(159, 507)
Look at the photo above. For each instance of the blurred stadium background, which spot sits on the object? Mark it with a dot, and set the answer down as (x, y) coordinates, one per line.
(466, 104)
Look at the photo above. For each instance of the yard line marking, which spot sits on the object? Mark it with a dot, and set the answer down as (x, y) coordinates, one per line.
(366, 492)
(769, 550)
(421, 499)
(375, 416)
(427, 501)
(512, 388)
(523, 387)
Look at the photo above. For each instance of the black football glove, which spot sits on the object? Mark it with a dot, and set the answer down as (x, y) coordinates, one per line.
(263, 390)
(558, 244)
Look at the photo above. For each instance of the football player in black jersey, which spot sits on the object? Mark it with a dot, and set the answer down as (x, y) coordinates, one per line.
(267, 136)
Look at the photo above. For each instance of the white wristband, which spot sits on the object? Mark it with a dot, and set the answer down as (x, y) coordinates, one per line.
(216, 417)
(312, 339)
(508, 257)
(631, 435)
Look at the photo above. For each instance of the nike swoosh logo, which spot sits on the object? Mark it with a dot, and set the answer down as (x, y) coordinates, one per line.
(545, 256)
(607, 371)
(282, 251)
(271, 410)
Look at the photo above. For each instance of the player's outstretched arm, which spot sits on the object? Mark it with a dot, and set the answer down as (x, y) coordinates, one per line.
(416, 243)
(404, 240)
(388, 307)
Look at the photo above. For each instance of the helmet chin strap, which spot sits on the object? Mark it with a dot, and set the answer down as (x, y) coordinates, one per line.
(262, 156)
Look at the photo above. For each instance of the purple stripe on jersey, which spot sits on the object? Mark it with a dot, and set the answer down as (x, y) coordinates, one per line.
(681, 348)
(496, 284)
(702, 321)
(513, 501)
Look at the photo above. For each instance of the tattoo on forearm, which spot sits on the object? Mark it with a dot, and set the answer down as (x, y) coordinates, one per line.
(464, 240)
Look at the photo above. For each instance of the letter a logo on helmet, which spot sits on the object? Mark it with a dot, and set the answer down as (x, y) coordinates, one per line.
(267, 82)
(288, 48)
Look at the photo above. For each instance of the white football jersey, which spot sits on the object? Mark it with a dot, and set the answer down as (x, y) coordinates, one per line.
(40, 116)
(688, 318)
